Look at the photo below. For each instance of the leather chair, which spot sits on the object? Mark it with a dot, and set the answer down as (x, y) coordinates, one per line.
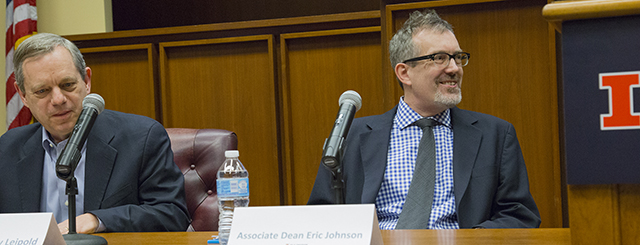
(199, 153)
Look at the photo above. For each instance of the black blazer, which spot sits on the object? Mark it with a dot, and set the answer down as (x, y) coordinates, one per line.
(491, 186)
(131, 181)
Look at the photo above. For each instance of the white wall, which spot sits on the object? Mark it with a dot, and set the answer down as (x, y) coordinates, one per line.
(62, 17)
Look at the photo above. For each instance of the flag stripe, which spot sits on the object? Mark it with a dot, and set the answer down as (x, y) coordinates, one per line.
(23, 28)
(9, 16)
(24, 12)
(13, 107)
(8, 65)
(23, 118)
(11, 91)
(21, 22)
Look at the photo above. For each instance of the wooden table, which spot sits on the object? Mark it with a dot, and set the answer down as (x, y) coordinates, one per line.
(392, 237)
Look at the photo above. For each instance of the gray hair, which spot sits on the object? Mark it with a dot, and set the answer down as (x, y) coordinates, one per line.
(39, 45)
(401, 46)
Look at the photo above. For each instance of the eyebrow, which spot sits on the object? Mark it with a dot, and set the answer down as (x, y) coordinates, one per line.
(37, 87)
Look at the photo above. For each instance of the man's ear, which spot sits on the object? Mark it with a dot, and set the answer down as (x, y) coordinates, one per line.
(402, 72)
(17, 88)
(87, 79)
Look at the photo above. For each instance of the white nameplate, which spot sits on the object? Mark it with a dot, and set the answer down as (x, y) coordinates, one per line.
(306, 225)
(29, 229)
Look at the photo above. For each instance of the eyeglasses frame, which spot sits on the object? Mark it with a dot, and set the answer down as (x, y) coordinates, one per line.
(432, 56)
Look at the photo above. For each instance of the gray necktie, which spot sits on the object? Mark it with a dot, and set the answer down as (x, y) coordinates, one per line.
(417, 206)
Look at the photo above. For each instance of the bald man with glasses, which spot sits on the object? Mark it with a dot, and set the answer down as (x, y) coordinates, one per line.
(427, 164)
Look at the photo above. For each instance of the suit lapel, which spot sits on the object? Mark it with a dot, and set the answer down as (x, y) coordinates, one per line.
(99, 162)
(29, 169)
(466, 143)
(374, 159)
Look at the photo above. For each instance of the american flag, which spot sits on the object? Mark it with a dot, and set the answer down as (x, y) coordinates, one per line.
(22, 19)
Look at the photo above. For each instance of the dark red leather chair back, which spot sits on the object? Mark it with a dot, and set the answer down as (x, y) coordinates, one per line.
(199, 153)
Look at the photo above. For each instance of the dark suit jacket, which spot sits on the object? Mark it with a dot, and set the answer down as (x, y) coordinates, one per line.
(131, 181)
(491, 186)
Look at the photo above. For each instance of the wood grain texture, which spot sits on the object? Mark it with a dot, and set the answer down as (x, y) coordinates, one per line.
(557, 236)
(629, 199)
(228, 84)
(604, 214)
(125, 77)
(594, 214)
(543, 236)
(588, 9)
(511, 75)
(317, 68)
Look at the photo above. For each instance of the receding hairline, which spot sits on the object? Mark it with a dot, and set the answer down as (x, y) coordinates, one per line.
(38, 56)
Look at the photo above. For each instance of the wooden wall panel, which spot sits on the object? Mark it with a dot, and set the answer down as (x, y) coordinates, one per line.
(228, 83)
(629, 213)
(282, 114)
(510, 75)
(317, 68)
(595, 214)
(124, 76)
(604, 214)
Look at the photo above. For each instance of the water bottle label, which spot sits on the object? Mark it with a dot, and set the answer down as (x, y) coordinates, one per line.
(233, 187)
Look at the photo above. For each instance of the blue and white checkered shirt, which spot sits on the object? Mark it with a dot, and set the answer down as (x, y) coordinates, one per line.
(401, 158)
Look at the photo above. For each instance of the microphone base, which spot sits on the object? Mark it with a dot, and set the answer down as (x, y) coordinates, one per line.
(84, 239)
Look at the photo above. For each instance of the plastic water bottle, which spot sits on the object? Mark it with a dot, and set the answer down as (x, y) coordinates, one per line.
(233, 191)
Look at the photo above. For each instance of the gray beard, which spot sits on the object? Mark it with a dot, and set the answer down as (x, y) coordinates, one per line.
(450, 100)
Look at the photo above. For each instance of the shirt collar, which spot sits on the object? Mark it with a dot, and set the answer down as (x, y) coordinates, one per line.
(48, 142)
(405, 116)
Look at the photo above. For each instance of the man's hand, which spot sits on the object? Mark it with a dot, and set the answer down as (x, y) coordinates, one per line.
(85, 224)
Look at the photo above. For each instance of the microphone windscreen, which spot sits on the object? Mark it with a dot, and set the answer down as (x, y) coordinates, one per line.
(95, 101)
(351, 97)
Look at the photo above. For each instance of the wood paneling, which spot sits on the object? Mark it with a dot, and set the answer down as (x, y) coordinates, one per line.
(225, 76)
(604, 214)
(276, 83)
(228, 83)
(594, 208)
(317, 68)
(124, 76)
(629, 201)
(510, 75)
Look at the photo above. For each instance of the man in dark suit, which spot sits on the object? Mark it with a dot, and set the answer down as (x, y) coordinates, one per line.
(127, 179)
(480, 175)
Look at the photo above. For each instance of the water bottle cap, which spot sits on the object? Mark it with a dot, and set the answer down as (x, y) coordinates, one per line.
(232, 153)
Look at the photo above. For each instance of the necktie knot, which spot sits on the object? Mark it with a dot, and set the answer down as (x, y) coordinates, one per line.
(425, 122)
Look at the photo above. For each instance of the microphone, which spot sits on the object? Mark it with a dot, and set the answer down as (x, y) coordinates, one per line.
(92, 105)
(350, 102)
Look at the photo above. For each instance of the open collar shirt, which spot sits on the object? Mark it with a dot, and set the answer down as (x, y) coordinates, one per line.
(53, 197)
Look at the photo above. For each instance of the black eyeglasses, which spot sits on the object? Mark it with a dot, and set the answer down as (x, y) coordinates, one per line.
(442, 59)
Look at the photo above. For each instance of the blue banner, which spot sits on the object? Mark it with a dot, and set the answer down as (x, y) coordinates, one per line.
(601, 95)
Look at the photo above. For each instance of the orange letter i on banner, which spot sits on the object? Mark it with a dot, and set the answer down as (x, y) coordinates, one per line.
(621, 113)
